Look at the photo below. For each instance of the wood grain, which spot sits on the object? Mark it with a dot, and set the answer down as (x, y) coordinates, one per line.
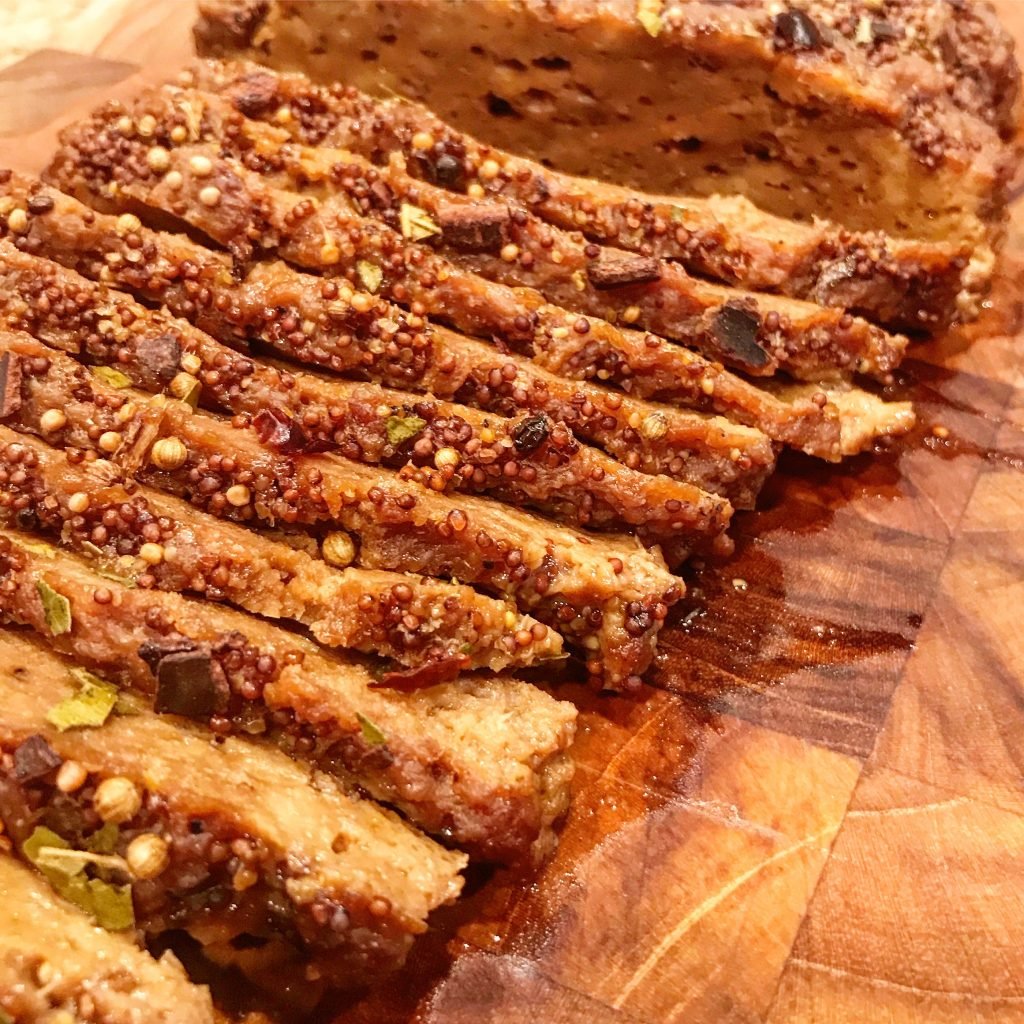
(816, 812)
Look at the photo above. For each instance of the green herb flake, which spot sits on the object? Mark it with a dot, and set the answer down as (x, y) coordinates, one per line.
(371, 733)
(648, 13)
(403, 428)
(112, 905)
(42, 838)
(4, 1017)
(56, 609)
(70, 862)
(104, 840)
(370, 274)
(111, 377)
(129, 704)
(125, 581)
(416, 223)
(108, 904)
(90, 707)
(39, 547)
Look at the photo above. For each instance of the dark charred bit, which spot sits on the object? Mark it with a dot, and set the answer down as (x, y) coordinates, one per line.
(530, 433)
(186, 676)
(448, 172)
(187, 685)
(735, 329)
(431, 673)
(285, 434)
(10, 384)
(620, 270)
(35, 758)
(883, 31)
(152, 652)
(475, 228)
(160, 355)
(794, 30)
(257, 94)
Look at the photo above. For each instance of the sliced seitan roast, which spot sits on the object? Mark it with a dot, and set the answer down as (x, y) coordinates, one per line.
(152, 539)
(885, 116)
(532, 461)
(482, 762)
(146, 822)
(236, 207)
(604, 592)
(514, 247)
(903, 283)
(354, 332)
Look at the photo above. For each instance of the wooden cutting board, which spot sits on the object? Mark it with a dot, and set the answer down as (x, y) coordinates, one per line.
(816, 813)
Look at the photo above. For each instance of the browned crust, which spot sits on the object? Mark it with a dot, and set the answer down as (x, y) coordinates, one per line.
(496, 793)
(602, 590)
(353, 332)
(964, 41)
(250, 216)
(902, 283)
(306, 886)
(449, 448)
(421, 623)
(928, 86)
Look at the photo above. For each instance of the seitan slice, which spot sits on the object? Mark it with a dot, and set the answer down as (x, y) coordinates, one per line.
(57, 965)
(356, 333)
(532, 461)
(156, 540)
(247, 835)
(516, 248)
(908, 284)
(877, 116)
(604, 592)
(482, 762)
(235, 206)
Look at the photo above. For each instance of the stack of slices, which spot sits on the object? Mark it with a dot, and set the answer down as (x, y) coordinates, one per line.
(319, 419)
